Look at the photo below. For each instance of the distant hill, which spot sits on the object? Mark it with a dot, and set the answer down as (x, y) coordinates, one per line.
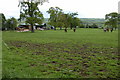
(90, 21)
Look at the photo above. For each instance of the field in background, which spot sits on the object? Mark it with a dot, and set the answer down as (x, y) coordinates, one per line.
(86, 53)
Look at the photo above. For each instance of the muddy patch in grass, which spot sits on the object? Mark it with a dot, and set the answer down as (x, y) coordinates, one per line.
(50, 47)
(85, 51)
(82, 59)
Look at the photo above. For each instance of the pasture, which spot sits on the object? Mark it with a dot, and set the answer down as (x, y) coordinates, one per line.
(86, 53)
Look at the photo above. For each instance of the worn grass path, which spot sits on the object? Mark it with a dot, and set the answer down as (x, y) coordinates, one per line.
(87, 53)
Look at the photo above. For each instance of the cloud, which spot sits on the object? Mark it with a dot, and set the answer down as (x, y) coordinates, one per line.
(9, 8)
(85, 8)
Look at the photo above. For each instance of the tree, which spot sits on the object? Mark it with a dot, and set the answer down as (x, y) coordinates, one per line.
(61, 19)
(87, 25)
(94, 25)
(11, 24)
(111, 20)
(3, 21)
(73, 19)
(66, 21)
(55, 14)
(69, 20)
(119, 19)
(30, 12)
(82, 25)
(76, 22)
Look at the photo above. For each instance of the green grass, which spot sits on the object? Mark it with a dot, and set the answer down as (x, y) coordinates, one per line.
(0, 54)
(86, 53)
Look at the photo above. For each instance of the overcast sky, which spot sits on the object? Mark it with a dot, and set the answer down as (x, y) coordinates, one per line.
(85, 8)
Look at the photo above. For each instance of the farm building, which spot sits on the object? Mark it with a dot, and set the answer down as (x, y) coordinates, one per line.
(23, 28)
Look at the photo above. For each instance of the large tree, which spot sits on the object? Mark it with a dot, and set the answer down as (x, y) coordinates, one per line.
(61, 19)
(111, 19)
(65, 21)
(73, 20)
(30, 12)
(76, 22)
(55, 13)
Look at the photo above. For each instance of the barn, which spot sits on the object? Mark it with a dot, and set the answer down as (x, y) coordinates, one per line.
(23, 28)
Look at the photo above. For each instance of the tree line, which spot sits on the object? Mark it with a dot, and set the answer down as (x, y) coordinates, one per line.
(112, 20)
(8, 24)
(30, 12)
(62, 20)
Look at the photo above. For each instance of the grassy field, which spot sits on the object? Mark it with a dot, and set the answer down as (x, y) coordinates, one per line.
(0, 54)
(86, 53)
